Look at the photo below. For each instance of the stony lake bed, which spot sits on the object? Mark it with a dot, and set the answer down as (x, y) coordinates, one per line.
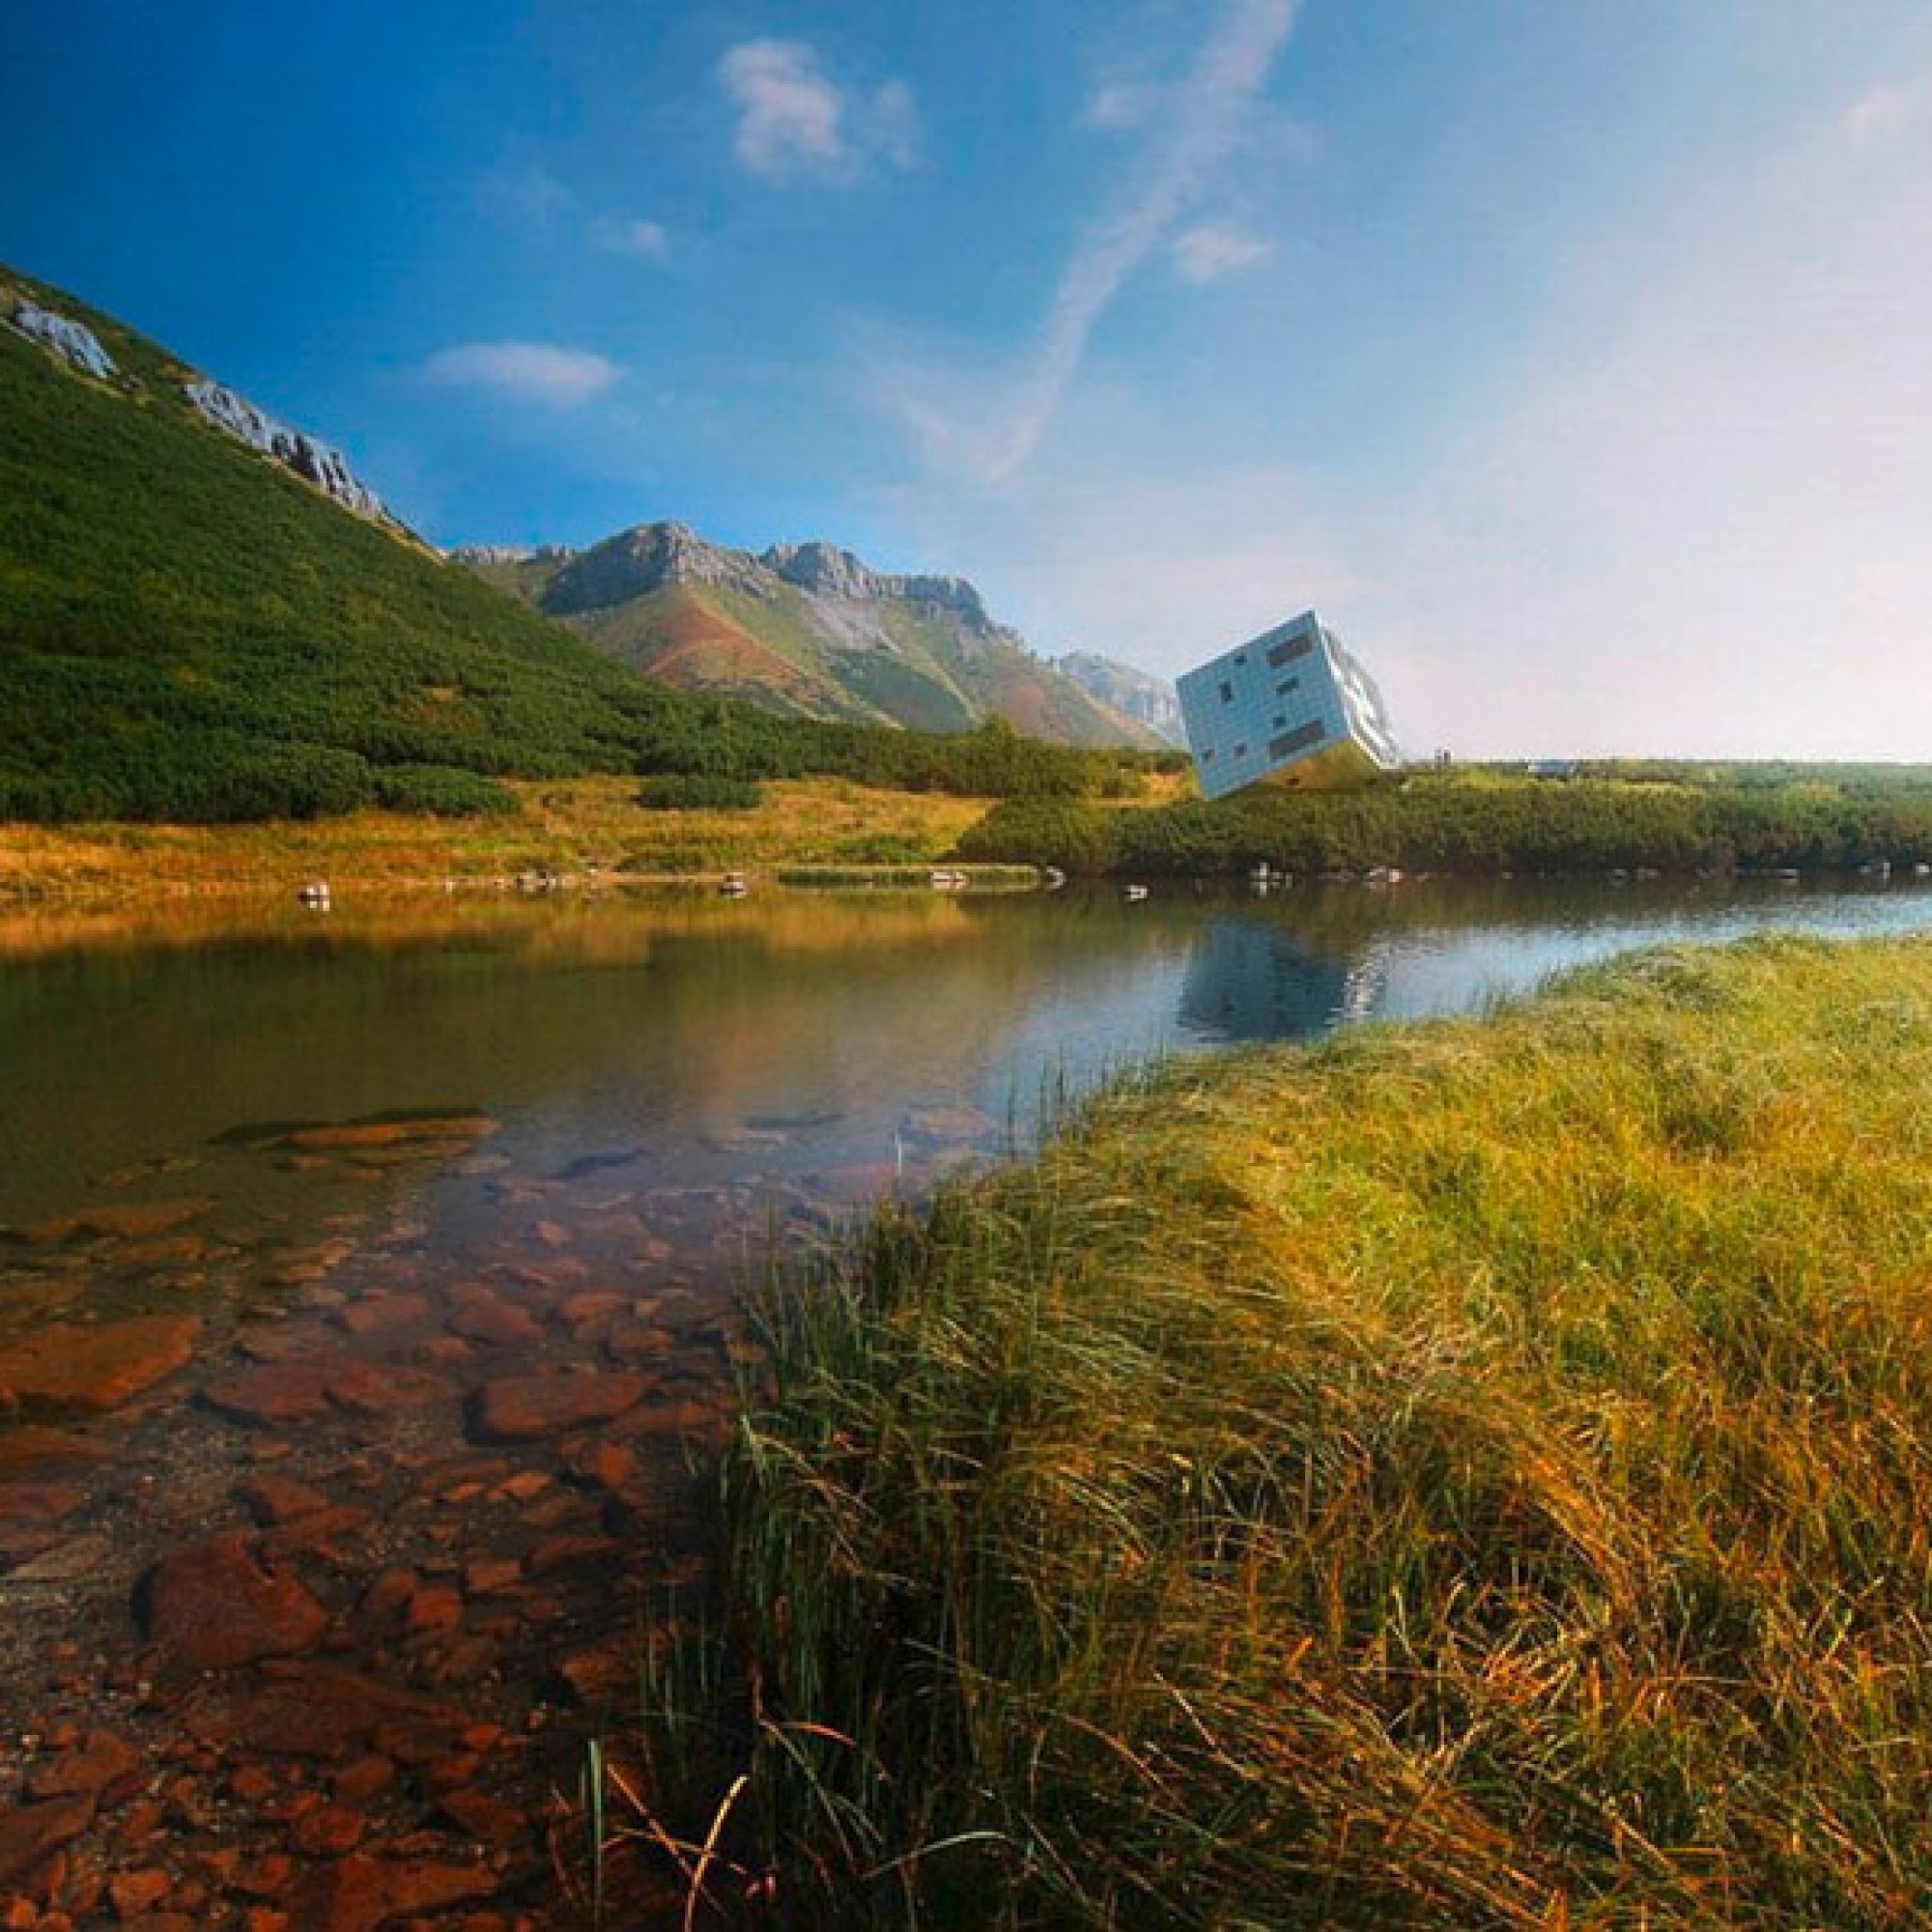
(369, 1317)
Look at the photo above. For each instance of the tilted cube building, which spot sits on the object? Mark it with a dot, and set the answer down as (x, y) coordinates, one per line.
(1291, 707)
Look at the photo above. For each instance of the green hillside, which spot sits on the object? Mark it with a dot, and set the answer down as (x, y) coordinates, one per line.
(189, 630)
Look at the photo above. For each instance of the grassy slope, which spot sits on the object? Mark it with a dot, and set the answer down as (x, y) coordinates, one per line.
(164, 591)
(1471, 1475)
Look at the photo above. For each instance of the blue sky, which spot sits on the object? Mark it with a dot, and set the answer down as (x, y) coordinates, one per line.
(1575, 359)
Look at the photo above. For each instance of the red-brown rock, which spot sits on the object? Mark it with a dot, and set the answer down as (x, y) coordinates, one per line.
(358, 1782)
(488, 1820)
(97, 1368)
(32, 1833)
(215, 1604)
(380, 1315)
(327, 1831)
(358, 1894)
(523, 1407)
(316, 1709)
(274, 1396)
(489, 1318)
(136, 1893)
(100, 1766)
(272, 1500)
(128, 1221)
(280, 1395)
(379, 1133)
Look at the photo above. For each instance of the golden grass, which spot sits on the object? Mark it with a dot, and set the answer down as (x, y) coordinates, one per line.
(1471, 1475)
(563, 826)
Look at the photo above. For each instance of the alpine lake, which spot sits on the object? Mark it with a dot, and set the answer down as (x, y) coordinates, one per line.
(370, 1307)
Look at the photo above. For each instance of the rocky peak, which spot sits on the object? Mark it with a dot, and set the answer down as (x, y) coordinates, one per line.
(634, 562)
(71, 341)
(295, 449)
(823, 569)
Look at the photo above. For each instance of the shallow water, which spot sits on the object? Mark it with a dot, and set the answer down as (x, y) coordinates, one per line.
(696, 1042)
(439, 1213)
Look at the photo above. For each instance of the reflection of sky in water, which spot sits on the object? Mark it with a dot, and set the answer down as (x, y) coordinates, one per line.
(1430, 970)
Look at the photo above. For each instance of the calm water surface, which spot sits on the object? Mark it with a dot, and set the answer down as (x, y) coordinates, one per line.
(796, 1041)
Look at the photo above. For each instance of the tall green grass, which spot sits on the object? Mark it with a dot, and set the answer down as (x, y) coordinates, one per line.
(1471, 1475)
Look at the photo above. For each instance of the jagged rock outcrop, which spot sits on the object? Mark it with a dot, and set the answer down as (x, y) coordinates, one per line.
(1135, 694)
(475, 555)
(295, 449)
(71, 341)
(827, 571)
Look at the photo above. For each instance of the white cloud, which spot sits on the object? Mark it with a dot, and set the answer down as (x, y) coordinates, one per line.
(1204, 118)
(531, 371)
(1212, 252)
(796, 121)
(613, 235)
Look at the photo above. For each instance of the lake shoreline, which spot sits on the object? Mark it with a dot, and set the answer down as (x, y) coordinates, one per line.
(1239, 1508)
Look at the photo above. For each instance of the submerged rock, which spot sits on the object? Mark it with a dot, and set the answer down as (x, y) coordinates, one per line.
(390, 1130)
(360, 1893)
(100, 1766)
(124, 1221)
(96, 1368)
(522, 1407)
(217, 1606)
(32, 1833)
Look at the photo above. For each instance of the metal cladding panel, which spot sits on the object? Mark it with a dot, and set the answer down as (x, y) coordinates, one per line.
(1277, 706)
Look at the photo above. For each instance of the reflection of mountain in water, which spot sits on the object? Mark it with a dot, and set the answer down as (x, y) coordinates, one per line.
(1250, 980)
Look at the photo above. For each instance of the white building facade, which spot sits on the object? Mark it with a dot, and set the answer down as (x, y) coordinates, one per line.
(1291, 707)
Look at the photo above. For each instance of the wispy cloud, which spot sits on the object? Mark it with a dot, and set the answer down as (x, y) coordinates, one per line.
(795, 122)
(627, 235)
(1115, 104)
(1202, 119)
(1881, 112)
(529, 371)
(1212, 252)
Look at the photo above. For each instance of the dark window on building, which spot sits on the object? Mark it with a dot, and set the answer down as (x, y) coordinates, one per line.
(1227, 693)
(1240, 750)
(1280, 719)
(1207, 757)
(1289, 650)
(1297, 740)
(1287, 685)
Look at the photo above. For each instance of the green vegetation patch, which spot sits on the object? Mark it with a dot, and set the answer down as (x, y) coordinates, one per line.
(700, 791)
(1473, 1474)
(1486, 823)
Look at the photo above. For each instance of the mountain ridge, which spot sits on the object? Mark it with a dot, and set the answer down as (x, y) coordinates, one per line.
(808, 628)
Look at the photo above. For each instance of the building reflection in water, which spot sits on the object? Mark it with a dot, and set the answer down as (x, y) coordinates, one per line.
(1252, 978)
